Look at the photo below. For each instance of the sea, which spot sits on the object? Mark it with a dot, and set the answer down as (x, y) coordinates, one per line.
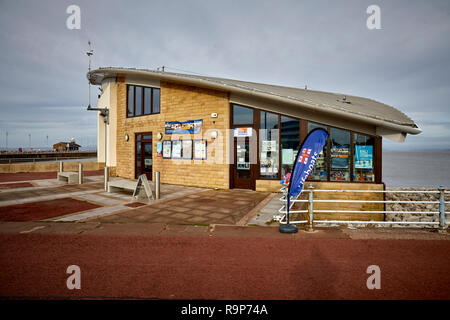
(416, 169)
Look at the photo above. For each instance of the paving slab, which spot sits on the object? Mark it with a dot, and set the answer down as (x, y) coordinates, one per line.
(91, 214)
(127, 229)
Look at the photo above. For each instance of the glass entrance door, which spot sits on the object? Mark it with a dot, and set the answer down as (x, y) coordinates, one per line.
(144, 159)
(243, 171)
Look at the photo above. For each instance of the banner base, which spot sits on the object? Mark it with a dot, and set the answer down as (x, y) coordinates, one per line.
(288, 228)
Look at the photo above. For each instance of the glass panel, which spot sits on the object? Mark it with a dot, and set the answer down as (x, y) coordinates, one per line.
(363, 166)
(148, 157)
(290, 142)
(340, 155)
(242, 159)
(320, 169)
(138, 159)
(242, 115)
(268, 145)
(130, 101)
(147, 137)
(147, 100)
(156, 100)
(138, 101)
(138, 137)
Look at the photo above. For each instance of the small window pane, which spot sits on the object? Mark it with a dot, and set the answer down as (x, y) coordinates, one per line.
(147, 100)
(340, 155)
(290, 142)
(156, 100)
(130, 101)
(268, 137)
(363, 170)
(320, 169)
(138, 101)
(242, 115)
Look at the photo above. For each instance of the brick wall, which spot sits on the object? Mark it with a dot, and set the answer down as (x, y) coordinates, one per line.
(178, 103)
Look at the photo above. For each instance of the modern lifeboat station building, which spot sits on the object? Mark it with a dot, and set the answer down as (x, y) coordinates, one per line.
(222, 133)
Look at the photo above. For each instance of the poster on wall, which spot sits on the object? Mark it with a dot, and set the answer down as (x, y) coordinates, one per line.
(159, 149)
(363, 157)
(167, 149)
(176, 149)
(339, 157)
(187, 149)
(270, 145)
(287, 156)
(242, 132)
(200, 149)
(186, 127)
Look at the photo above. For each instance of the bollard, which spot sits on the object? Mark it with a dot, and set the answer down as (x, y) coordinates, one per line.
(80, 173)
(60, 166)
(441, 209)
(106, 177)
(311, 209)
(157, 184)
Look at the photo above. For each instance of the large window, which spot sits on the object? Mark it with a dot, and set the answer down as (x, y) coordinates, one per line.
(290, 142)
(242, 115)
(268, 145)
(320, 169)
(363, 169)
(340, 155)
(142, 101)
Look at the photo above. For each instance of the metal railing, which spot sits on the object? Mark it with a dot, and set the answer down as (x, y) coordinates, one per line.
(441, 223)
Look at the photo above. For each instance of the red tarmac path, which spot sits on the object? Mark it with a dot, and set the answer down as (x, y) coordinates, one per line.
(214, 267)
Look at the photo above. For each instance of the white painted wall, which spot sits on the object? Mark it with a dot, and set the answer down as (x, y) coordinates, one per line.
(108, 99)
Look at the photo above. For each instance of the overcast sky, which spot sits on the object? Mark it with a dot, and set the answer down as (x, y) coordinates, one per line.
(324, 44)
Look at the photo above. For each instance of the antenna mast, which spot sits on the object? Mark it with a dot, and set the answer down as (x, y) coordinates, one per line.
(89, 54)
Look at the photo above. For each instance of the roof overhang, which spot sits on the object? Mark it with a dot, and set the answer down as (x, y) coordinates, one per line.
(388, 129)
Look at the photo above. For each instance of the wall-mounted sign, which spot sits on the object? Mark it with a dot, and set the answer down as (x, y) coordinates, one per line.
(200, 149)
(159, 149)
(242, 132)
(186, 127)
(176, 149)
(187, 149)
(167, 149)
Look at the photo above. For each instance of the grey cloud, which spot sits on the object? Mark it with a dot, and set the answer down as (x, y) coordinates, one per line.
(320, 43)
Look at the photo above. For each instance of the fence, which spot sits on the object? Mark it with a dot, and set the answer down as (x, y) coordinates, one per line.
(441, 224)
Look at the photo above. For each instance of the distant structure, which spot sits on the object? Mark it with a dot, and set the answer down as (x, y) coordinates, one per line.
(66, 146)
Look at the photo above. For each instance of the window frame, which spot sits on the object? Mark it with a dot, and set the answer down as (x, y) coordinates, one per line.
(143, 114)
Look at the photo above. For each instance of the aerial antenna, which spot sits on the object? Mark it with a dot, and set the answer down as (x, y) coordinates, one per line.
(103, 111)
(89, 54)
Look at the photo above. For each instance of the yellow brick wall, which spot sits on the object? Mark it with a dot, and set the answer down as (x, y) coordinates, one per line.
(178, 103)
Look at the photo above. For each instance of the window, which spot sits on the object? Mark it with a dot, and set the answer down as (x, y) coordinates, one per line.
(268, 145)
(290, 142)
(242, 115)
(147, 100)
(363, 170)
(340, 155)
(130, 101)
(320, 169)
(138, 103)
(156, 100)
(142, 101)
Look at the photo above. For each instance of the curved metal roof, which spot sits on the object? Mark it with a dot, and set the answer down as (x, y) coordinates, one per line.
(343, 105)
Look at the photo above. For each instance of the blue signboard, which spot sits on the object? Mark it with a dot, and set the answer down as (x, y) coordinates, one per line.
(186, 127)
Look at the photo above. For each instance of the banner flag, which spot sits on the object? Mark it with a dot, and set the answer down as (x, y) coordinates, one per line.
(306, 159)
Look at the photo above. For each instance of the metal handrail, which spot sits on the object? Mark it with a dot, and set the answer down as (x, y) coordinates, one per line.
(442, 213)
